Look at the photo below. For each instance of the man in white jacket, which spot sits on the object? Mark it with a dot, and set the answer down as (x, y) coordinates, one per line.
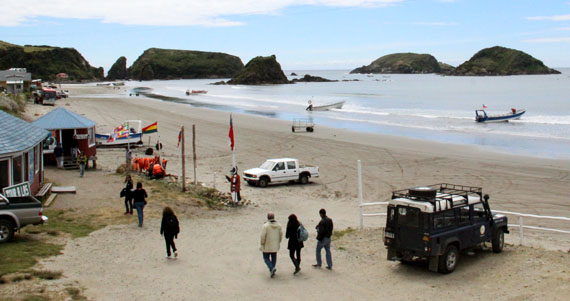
(271, 236)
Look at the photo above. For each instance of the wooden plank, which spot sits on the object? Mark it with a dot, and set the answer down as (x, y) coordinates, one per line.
(50, 199)
(45, 189)
(64, 189)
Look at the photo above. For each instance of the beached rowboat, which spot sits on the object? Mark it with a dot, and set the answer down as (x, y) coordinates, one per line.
(481, 116)
(336, 105)
(129, 133)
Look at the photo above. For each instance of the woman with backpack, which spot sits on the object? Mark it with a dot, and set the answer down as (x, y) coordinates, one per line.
(295, 243)
(128, 194)
(170, 228)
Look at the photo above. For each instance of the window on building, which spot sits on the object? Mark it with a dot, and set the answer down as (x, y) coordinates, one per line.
(17, 168)
(26, 169)
(4, 173)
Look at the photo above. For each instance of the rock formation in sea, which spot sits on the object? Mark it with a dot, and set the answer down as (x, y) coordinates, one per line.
(118, 70)
(502, 61)
(309, 78)
(260, 71)
(46, 61)
(402, 63)
(157, 63)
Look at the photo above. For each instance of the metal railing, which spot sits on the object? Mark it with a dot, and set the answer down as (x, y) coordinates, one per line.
(520, 225)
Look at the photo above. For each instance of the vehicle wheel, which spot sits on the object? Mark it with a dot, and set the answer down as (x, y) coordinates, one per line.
(6, 231)
(262, 182)
(310, 129)
(448, 261)
(304, 179)
(293, 129)
(498, 241)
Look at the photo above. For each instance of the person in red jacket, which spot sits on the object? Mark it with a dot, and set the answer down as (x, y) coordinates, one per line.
(235, 186)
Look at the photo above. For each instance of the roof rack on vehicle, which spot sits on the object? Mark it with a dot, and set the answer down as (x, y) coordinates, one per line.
(451, 195)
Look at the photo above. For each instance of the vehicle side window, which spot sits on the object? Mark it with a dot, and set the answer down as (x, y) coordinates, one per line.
(279, 166)
(443, 219)
(290, 164)
(463, 214)
(478, 212)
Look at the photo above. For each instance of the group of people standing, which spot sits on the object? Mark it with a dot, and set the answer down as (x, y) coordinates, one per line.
(76, 155)
(272, 234)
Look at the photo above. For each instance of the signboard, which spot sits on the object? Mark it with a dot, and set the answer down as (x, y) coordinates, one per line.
(22, 189)
(81, 136)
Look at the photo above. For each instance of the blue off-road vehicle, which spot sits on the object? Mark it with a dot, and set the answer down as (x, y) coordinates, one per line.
(437, 222)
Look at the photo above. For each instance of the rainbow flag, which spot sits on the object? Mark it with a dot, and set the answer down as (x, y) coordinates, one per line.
(153, 128)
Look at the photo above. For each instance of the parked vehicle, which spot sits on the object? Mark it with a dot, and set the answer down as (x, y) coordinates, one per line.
(436, 222)
(279, 171)
(17, 212)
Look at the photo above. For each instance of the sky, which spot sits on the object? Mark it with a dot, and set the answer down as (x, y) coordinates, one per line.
(303, 34)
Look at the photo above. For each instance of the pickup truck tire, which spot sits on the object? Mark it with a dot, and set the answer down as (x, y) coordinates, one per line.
(498, 241)
(6, 230)
(303, 179)
(263, 181)
(448, 261)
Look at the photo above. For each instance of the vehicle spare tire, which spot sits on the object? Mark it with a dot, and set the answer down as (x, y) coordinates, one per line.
(423, 192)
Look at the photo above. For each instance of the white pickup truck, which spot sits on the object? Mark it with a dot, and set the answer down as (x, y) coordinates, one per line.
(279, 171)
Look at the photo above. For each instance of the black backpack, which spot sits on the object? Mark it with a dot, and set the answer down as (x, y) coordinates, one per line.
(171, 225)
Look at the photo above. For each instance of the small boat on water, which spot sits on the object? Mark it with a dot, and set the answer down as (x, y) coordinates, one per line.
(481, 116)
(336, 105)
(127, 133)
(188, 92)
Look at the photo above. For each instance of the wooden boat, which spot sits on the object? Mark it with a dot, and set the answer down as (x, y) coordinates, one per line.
(188, 92)
(119, 137)
(481, 116)
(117, 84)
(336, 105)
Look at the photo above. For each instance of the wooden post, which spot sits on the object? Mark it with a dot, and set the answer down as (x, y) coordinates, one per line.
(183, 165)
(194, 151)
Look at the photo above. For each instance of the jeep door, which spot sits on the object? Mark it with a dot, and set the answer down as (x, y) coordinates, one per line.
(480, 229)
(408, 230)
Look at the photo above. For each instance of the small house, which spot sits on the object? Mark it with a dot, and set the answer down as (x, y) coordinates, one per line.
(15, 80)
(73, 131)
(21, 156)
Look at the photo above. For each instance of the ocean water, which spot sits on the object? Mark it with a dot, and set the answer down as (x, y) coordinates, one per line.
(429, 107)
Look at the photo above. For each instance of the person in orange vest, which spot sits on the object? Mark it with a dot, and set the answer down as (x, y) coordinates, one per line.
(234, 185)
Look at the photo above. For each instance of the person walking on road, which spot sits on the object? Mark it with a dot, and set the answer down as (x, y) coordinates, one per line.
(169, 227)
(139, 197)
(295, 244)
(324, 233)
(58, 152)
(128, 195)
(271, 235)
(82, 160)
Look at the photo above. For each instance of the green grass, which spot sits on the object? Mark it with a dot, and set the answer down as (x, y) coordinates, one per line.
(340, 233)
(22, 253)
(69, 222)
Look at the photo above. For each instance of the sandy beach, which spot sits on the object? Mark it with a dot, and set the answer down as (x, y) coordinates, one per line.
(219, 251)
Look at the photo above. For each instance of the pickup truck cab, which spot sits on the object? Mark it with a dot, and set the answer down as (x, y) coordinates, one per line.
(437, 222)
(280, 171)
(17, 212)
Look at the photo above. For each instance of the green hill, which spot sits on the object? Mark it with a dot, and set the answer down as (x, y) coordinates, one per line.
(45, 62)
(402, 63)
(118, 70)
(157, 63)
(502, 61)
(260, 71)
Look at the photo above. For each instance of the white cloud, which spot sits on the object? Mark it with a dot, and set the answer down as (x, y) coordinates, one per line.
(548, 40)
(161, 13)
(550, 18)
(435, 23)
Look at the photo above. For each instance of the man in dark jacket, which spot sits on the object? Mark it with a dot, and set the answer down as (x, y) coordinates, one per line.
(324, 233)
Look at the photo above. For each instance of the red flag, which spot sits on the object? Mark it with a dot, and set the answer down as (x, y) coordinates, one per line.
(231, 134)
(484, 106)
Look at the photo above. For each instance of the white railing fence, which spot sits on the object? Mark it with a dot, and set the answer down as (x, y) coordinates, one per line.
(520, 225)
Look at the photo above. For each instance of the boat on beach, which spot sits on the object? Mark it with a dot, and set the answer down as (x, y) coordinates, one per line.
(336, 105)
(123, 135)
(188, 92)
(481, 116)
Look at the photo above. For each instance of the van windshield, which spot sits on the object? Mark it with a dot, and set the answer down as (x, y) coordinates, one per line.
(408, 216)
